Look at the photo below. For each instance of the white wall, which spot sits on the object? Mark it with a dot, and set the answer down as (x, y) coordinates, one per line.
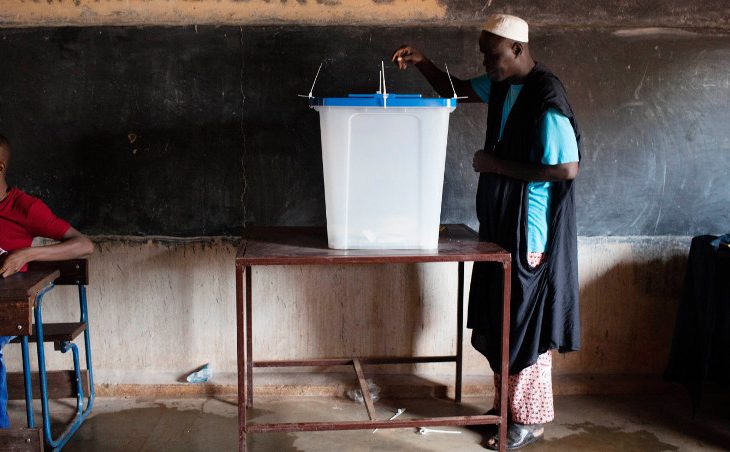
(160, 308)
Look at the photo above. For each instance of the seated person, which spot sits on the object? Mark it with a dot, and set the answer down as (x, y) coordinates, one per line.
(22, 218)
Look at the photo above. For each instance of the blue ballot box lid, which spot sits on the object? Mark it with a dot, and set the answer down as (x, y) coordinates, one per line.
(382, 100)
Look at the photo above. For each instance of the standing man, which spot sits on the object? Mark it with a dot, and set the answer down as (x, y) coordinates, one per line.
(525, 203)
(22, 218)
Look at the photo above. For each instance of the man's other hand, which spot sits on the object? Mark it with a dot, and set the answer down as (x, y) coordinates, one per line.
(485, 162)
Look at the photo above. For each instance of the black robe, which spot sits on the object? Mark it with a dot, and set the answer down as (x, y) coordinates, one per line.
(544, 304)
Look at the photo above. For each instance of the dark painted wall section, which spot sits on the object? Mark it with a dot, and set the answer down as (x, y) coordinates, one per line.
(176, 132)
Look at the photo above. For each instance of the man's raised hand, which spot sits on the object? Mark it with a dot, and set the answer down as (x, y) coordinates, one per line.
(406, 54)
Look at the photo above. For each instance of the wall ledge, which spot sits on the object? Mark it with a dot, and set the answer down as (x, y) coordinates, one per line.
(392, 386)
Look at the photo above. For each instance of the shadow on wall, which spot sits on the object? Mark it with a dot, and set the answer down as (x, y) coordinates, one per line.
(347, 311)
(628, 311)
(336, 312)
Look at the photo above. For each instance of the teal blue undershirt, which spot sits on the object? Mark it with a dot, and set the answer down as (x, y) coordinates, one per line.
(558, 143)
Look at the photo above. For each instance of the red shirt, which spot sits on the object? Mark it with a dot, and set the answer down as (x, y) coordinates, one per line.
(23, 217)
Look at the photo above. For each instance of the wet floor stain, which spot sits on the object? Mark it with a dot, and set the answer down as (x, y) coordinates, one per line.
(212, 426)
(162, 428)
(591, 437)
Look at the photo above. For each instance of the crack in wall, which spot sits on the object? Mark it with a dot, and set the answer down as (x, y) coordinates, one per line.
(244, 179)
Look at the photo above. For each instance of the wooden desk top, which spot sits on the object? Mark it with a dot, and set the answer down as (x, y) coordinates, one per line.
(276, 245)
(21, 286)
(17, 300)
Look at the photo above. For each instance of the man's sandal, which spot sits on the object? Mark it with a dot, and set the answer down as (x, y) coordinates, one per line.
(491, 429)
(518, 436)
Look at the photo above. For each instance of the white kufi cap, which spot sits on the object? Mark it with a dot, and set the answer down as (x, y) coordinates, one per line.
(506, 26)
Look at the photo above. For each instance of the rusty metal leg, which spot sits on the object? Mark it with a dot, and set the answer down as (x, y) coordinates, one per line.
(459, 334)
(504, 374)
(241, 358)
(364, 388)
(249, 340)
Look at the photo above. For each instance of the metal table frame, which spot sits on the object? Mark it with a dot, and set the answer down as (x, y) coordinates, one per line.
(308, 246)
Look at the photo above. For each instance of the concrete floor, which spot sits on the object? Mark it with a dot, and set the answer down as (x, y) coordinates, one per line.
(583, 423)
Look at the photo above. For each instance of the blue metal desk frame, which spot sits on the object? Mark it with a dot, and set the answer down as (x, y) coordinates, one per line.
(81, 412)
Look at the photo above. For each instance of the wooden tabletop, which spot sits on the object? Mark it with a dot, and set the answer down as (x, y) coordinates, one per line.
(278, 245)
(17, 299)
(21, 286)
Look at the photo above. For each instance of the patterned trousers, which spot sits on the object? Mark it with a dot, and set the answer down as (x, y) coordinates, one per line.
(530, 391)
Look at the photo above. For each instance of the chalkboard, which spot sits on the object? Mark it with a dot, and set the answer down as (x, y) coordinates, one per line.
(189, 131)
